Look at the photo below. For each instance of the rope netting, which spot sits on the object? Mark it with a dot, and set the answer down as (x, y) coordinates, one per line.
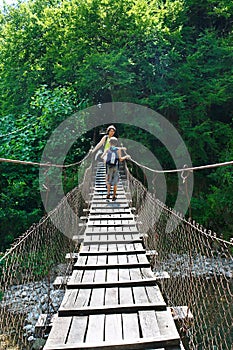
(29, 268)
(194, 269)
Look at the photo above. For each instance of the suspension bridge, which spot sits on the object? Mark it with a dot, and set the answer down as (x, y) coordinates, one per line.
(124, 281)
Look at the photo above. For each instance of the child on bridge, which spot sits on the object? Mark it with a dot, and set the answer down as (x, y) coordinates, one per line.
(112, 164)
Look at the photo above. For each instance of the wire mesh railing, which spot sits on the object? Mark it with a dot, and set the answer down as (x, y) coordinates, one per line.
(194, 268)
(29, 267)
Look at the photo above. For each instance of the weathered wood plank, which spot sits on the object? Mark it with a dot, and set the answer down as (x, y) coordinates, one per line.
(100, 276)
(69, 298)
(140, 295)
(77, 330)
(102, 259)
(126, 296)
(113, 328)
(113, 260)
(149, 324)
(112, 275)
(148, 343)
(58, 333)
(83, 298)
(154, 294)
(88, 276)
(95, 330)
(111, 297)
(166, 324)
(97, 298)
(130, 326)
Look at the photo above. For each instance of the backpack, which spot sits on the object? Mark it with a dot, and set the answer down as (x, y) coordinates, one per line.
(112, 157)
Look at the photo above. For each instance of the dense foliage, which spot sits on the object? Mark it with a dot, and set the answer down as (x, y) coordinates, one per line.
(59, 56)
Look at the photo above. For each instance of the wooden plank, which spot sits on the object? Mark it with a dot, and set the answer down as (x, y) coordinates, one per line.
(126, 296)
(149, 324)
(113, 260)
(140, 295)
(167, 325)
(69, 298)
(113, 328)
(112, 275)
(148, 343)
(147, 272)
(123, 259)
(76, 277)
(135, 273)
(92, 260)
(154, 294)
(132, 259)
(102, 259)
(95, 329)
(88, 276)
(142, 259)
(123, 275)
(58, 333)
(77, 330)
(149, 294)
(97, 298)
(100, 276)
(111, 297)
(130, 326)
(83, 298)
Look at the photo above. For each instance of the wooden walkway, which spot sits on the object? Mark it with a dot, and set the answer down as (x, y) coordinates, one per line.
(112, 300)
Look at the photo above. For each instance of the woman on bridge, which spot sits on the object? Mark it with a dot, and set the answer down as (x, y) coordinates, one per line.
(105, 141)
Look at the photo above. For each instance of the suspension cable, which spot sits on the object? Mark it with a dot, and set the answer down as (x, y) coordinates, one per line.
(15, 161)
(183, 169)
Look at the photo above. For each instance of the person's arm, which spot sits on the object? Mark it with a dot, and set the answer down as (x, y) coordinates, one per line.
(121, 159)
(101, 143)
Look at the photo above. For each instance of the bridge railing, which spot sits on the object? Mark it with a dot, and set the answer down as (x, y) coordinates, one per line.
(28, 269)
(194, 268)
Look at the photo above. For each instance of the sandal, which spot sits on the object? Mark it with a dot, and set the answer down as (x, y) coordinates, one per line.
(114, 198)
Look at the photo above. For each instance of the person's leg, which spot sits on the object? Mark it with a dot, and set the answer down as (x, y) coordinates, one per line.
(115, 182)
(109, 189)
(109, 181)
(114, 192)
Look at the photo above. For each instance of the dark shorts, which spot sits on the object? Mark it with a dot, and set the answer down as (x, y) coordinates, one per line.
(112, 175)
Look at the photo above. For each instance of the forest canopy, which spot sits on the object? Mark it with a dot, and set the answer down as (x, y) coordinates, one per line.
(60, 56)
